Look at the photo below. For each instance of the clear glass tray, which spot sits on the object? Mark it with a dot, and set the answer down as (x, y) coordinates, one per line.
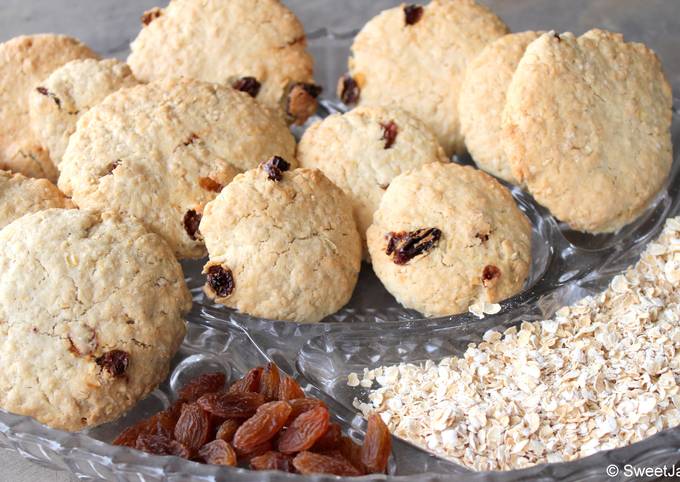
(372, 329)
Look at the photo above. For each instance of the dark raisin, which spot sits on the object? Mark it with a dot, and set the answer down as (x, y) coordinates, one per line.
(275, 167)
(202, 384)
(348, 90)
(112, 167)
(151, 15)
(190, 140)
(272, 461)
(270, 379)
(115, 362)
(404, 246)
(161, 445)
(44, 91)
(210, 184)
(221, 280)
(557, 36)
(249, 85)
(249, 383)
(192, 221)
(412, 14)
(193, 427)
(490, 274)
(231, 405)
(390, 131)
(301, 101)
(483, 237)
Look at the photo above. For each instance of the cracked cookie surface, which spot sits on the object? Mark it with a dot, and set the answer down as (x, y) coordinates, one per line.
(160, 151)
(586, 127)
(290, 248)
(21, 195)
(25, 61)
(61, 99)
(363, 150)
(419, 66)
(446, 236)
(227, 41)
(91, 312)
(482, 98)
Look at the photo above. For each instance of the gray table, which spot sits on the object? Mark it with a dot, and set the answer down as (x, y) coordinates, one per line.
(109, 26)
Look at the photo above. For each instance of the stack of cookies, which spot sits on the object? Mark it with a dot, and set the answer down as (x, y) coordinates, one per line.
(186, 151)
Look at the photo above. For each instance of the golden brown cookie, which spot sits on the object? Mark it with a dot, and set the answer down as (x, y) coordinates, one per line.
(257, 46)
(24, 62)
(586, 127)
(446, 236)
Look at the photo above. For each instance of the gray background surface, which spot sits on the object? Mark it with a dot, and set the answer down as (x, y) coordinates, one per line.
(109, 26)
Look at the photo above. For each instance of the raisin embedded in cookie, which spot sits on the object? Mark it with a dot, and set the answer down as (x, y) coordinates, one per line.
(58, 101)
(224, 41)
(586, 127)
(482, 98)
(161, 151)
(92, 313)
(363, 150)
(25, 61)
(415, 57)
(21, 195)
(446, 236)
(282, 244)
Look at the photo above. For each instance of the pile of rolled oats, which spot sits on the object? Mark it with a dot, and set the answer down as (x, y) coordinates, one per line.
(602, 373)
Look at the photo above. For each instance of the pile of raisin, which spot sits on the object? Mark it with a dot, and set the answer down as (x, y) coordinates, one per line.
(262, 421)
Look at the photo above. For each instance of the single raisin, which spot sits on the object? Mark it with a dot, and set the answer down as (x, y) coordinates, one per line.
(301, 101)
(404, 246)
(483, 237)
(330, 440)
(249, 85)
(275, 167)
(128, 437)
(269, 382)
(192, 221)
(377, 445)
(255, 451)
(390, 131)
(249, 383)
(218, 452)
(301, 405)
(115, 362)
(51, 95)
(305, 430)
(161, 445)
(557, 36)
(490, 274)
(202, 384)
(165, 421)
(151, 15)
(272, 461)
(227, 429)
(413, 14)
(231, 405)
(310, 463)
(193, 427)
(263, 426)
(209, 184)
(221, 280)
(289, 389)
(351, 451)
(348, 90)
